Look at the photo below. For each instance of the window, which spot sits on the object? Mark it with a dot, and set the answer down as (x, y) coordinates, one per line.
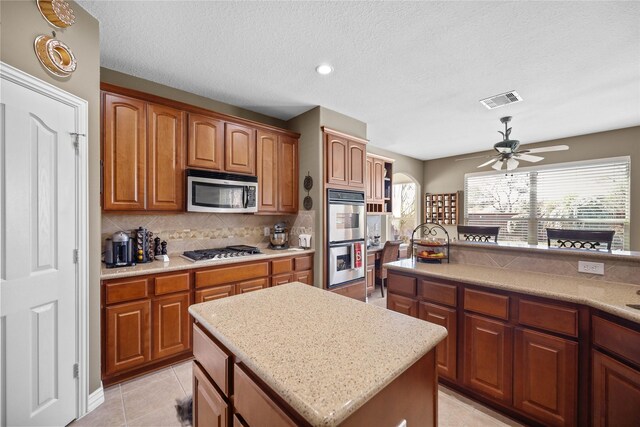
(405, 208)
(592, 195)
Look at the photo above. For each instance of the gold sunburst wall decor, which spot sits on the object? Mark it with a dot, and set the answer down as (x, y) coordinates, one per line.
(55, 56)
(57, 12)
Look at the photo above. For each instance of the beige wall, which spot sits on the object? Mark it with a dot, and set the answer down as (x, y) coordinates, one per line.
(21, 24)
(132, 82)
(446, 175)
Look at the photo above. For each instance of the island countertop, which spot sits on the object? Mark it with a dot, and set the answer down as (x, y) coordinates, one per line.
(321, 352)
(610, 297)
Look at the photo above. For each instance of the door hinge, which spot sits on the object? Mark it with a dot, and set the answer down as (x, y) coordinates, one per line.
(76, 142)
(76, 256)
(75, 370)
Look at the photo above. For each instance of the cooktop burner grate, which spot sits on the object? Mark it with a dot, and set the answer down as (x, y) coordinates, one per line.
(221, 253)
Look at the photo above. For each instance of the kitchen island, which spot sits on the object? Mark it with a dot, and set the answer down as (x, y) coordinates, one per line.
(298, 355)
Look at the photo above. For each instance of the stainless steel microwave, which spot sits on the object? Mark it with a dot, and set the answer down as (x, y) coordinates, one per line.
(221, 192)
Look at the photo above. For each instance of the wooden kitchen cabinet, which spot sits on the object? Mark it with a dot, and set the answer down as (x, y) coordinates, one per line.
(170, 325)
(210, 409)
(446, 351)
(379, 184)
(402, 304)
(210, 294)
(239, 149)
(165, 177)
(277, 170)
(488, 357)
(378, 180)
(305, 277)
(357, 164)
(545, 383)
(615, 392)
(370, 273)
(345, 160)
(337, 151)
(205, 143)
(124, 153)
(369, 186)
(128, 331)
(252, 285)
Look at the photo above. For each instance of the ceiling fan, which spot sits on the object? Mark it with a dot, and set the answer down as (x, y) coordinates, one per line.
(509, 154)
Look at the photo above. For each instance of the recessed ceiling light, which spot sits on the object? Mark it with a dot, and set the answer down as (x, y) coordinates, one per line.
(324, 69)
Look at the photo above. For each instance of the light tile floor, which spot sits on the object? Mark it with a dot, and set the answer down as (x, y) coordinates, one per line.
(149, 400)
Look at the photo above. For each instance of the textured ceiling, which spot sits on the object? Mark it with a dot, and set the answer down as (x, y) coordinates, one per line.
(413, 71)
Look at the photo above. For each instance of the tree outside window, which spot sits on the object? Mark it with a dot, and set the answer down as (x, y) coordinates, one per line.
(405, 208)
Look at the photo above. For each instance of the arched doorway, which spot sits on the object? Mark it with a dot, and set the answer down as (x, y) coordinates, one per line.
(406, 207)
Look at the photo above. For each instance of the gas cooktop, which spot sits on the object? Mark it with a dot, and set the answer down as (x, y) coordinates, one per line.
(221, 253)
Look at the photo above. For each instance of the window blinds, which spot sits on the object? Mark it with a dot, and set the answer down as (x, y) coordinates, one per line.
(593, 195)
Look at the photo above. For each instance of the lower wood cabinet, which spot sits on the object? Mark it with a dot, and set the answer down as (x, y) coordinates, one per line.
(545, 383)
(370, 273)
(128, 330)
(488, 361)
(170, 325)
(305, 277)
(252, 285)
(402, 305)
(281, 279)
(210, 294)
(615, 392)
(210, 408)
(446, 351)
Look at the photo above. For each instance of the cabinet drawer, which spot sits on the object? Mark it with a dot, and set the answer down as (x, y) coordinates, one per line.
(403, 285)
(210, 409)
(486, 303)
(214, 360)
(254, 405)
(305, 277)
(173, 283)
(233, 274)
(125, 290)
(218, 292)
(303, 263)
(371, 259)
(402, 305)
(438, 292)
(281, 279)
(279, 266)
(620, 340)
(252, 285)
(548, 316)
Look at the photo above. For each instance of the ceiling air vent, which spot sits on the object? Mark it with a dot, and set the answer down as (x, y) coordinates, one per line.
(500, 100)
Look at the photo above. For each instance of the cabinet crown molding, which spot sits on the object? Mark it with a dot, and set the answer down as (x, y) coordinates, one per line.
(344, 135)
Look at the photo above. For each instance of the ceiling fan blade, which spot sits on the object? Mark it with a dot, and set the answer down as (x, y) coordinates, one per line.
(512, 164)
(528, 157)
(475, 157)
(547, 149)
(487, 163)
(497, 165)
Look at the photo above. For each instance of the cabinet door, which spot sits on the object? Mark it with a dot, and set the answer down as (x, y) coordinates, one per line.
(268, 171)
(287, 174)
(127, 336)
(170, 325)
(446, 351)
(369, 180)
(337, 160)
(239, 149)
(205, 143)
(616, 393)
(281, 279)
(402, 304)
(378, 180)
(488, 357)
(370, 275)
(357, 156)
(124, 153)
(165, 178)
(545, 377)
(209, 408)
(252, 285)
(305, 277)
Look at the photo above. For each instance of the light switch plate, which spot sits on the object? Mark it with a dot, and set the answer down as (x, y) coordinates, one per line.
(591, 267)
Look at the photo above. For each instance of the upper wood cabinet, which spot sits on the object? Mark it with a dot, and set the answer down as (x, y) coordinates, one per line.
(345, 160)
(239, 149)
(205, 143)
(378, 180)
(378, 184)
(277, 165)
(369, 179)
(165, 171)
(124, 152)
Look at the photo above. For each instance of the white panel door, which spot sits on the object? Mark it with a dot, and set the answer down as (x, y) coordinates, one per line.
(38, 274)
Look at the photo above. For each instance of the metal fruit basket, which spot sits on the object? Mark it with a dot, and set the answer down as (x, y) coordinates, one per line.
(430, 244)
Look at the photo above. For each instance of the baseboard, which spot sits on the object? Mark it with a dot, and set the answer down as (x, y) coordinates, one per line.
(95, 399)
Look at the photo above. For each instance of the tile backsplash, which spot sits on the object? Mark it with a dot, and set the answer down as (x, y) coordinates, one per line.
(189, 231)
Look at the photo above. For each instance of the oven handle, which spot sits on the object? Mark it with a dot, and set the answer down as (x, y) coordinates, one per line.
(246, 196)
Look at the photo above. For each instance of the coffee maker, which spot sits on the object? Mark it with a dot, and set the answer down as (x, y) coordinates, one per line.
(119, 250)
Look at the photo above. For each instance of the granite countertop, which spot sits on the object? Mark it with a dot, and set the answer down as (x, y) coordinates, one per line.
(632, 256)
(611, 297)
(176, 262)
(321, 352)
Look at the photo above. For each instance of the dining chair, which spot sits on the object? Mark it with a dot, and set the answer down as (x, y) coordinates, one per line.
(579, 239)
(475, 233)
(389, 253)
